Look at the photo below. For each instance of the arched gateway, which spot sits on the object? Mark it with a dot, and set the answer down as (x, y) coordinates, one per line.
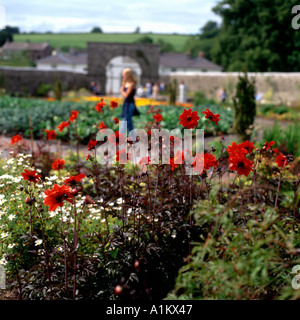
(100, 54)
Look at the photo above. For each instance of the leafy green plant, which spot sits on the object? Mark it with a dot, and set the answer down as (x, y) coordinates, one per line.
(241, 257)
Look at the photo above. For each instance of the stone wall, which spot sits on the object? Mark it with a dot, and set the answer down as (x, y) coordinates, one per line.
(26, 81)
(145, 54)
(276, 87)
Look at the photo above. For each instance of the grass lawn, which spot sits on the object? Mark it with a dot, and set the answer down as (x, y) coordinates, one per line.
(79, 40)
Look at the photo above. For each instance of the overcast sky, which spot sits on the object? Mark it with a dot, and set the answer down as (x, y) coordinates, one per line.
(164, 16)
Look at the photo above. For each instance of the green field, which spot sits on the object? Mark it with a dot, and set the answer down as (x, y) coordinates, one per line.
(79, 40)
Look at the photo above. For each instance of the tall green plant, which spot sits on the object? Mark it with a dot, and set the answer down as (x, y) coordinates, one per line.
(244, 107)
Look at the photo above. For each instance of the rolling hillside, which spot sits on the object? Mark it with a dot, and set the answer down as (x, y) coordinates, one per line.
(79, 40)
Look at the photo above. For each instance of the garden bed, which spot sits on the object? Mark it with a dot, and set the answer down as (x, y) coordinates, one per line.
(71, 228)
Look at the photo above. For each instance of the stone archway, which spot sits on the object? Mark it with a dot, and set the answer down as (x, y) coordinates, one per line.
(100, 54)
(114, 70)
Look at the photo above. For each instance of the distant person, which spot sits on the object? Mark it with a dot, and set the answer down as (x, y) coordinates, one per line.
(182, 92)
(222, 95)
(128, 90)
(148, 89)
(155, 91)
(162, 86)
(95, 88)
(140, 92)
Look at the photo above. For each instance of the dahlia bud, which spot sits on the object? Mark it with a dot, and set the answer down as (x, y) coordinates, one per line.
(118, 290)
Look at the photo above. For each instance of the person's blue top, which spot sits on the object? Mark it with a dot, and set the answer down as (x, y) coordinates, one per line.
(130, 98)
(129, 104)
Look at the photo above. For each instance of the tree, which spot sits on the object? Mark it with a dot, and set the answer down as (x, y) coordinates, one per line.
(5, 36)
(137, 30)
(145, 39)
(257, 36)
(165, 46)
(209, 30)
(204, 41)
(244, 107)
(9, 29)
(96, 30)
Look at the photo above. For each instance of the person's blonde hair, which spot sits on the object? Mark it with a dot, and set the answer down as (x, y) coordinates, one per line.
(130, 75)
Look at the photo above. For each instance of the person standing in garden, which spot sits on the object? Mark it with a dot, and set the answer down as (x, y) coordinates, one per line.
(182, 92)
(128, 90)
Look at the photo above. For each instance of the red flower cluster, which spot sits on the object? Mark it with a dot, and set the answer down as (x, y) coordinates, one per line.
(51, 134)
(31, 176)
(237, 157)
(16, 139)
(189, 119)
(211, 117)
(58, 164)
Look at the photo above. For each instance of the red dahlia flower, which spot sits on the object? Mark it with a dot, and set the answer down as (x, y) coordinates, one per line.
(100, 105)
(236, 149)
(31, 176)
(102, 125)
(158, 117)
(74, 179)
(268, 145)
(74, 115)
(209, 161)
(116, 120)
(51, 134)
(56, 196)
(58, 164)
(189, 119)
(63, 125)
(241, 164)
(281, 160)
(249, 146)
(92, 144)
(113, 104)
(16, 139)
(211, 117)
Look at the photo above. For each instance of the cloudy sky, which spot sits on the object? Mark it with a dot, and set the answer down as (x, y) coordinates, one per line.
(165, 16)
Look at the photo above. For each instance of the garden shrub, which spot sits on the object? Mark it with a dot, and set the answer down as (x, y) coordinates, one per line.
(244, 107)
(247, 256)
